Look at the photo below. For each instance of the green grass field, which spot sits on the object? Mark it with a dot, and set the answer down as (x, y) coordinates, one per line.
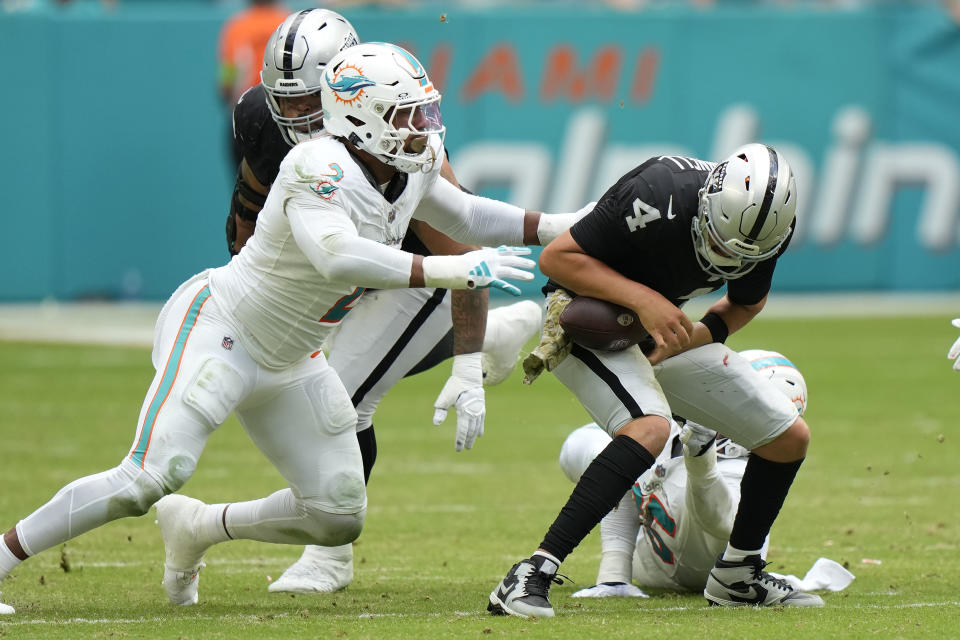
(881, 483)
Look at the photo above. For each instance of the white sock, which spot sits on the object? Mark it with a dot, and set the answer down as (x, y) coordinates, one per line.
(211, 524)
(8, 561)
(732, 554)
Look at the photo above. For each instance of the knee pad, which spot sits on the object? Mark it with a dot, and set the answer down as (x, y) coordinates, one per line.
(332, 404)
(329, 529)
(214, 391)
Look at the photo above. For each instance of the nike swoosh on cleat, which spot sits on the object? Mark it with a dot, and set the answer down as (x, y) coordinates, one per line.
(670, 214)
(751, 594)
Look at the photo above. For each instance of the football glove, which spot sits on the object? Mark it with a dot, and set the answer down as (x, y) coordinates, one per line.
(611, 590)
(954, 353)
(554, 344)
(464, 390)
(479, 269)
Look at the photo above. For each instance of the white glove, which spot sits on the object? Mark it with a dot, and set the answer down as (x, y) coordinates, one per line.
(696, 439)
(552, 225)
(479, 269)
(954, 353)
(465, 390)
(611, 590)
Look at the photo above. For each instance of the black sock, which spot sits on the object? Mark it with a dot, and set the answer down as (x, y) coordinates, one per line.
(602, 485)
(762, 491)
(368, 451)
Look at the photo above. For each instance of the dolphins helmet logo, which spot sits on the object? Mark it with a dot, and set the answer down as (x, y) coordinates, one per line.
(348, 83)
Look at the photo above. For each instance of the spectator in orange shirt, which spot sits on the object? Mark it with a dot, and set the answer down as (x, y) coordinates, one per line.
(242, 42)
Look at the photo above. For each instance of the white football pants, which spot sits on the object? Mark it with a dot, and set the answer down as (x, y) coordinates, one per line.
(711, 385)
(386, 335)
(300, 417)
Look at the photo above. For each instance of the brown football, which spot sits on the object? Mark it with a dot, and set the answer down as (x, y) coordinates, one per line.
(598, 324)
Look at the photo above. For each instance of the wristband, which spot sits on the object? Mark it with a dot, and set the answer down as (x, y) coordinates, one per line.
(718, 328)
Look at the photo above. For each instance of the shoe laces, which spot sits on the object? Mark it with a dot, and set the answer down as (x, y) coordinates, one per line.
(762, 576)
(538, 584)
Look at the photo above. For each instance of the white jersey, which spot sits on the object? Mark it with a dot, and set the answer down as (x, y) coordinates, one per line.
(675, 521)
(282, 305)
(686, 517)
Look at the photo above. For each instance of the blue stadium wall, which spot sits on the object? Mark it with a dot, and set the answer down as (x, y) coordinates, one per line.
(115, 177)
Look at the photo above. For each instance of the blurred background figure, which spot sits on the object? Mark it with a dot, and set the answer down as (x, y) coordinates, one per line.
(242, 40)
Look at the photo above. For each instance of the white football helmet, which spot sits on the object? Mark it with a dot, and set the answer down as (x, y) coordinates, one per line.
(746, 211)
(293, 65)
(378, 97)
(781, 372)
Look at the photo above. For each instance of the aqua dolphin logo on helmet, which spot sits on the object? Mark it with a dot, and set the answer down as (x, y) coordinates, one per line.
(348, 88)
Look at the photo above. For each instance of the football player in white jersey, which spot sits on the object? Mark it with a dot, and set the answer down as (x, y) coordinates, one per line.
(668, 531)
(245, 338)
(391, 333)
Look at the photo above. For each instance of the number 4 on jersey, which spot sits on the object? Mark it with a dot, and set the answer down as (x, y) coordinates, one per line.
(643, 214)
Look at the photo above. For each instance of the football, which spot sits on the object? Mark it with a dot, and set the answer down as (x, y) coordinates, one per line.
(598, 324)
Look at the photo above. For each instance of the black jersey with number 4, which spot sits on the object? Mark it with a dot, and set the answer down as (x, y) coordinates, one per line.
(263, 147)
(641, 227)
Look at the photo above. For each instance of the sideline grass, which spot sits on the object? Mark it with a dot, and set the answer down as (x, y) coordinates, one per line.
(881, 483)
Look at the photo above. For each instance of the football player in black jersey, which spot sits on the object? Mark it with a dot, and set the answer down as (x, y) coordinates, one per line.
(391, 333)
(670, 230)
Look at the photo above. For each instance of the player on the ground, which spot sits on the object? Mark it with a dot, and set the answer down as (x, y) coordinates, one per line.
(669, 529)
(244, 338)
(672, 229)
(391, 333)
(954, 353)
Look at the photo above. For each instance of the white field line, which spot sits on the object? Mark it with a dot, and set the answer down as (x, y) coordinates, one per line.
(132, 323)
(6, 622)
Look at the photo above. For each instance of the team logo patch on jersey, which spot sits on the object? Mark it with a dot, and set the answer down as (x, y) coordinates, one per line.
(325, 187)
(227, 343)
(348, 83)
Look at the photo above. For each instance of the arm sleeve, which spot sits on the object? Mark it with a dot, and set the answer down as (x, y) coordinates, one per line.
(469, 218)
(329, 239)
(618, 540)
(710, 503)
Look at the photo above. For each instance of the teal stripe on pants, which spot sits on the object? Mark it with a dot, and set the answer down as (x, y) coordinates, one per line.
(169, 375)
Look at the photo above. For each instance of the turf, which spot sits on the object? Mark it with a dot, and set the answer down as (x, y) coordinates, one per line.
(880, 492)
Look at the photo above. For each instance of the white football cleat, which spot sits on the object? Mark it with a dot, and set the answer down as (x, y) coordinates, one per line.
(319, 570)
(611, 590)
(6, 609)
(178, 519)
(508, 329)
(744, 583)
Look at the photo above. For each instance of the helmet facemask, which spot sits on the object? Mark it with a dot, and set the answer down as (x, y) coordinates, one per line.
(413, 137)
(296, 129)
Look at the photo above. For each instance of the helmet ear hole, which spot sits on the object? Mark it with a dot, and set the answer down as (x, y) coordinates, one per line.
(355, 120)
